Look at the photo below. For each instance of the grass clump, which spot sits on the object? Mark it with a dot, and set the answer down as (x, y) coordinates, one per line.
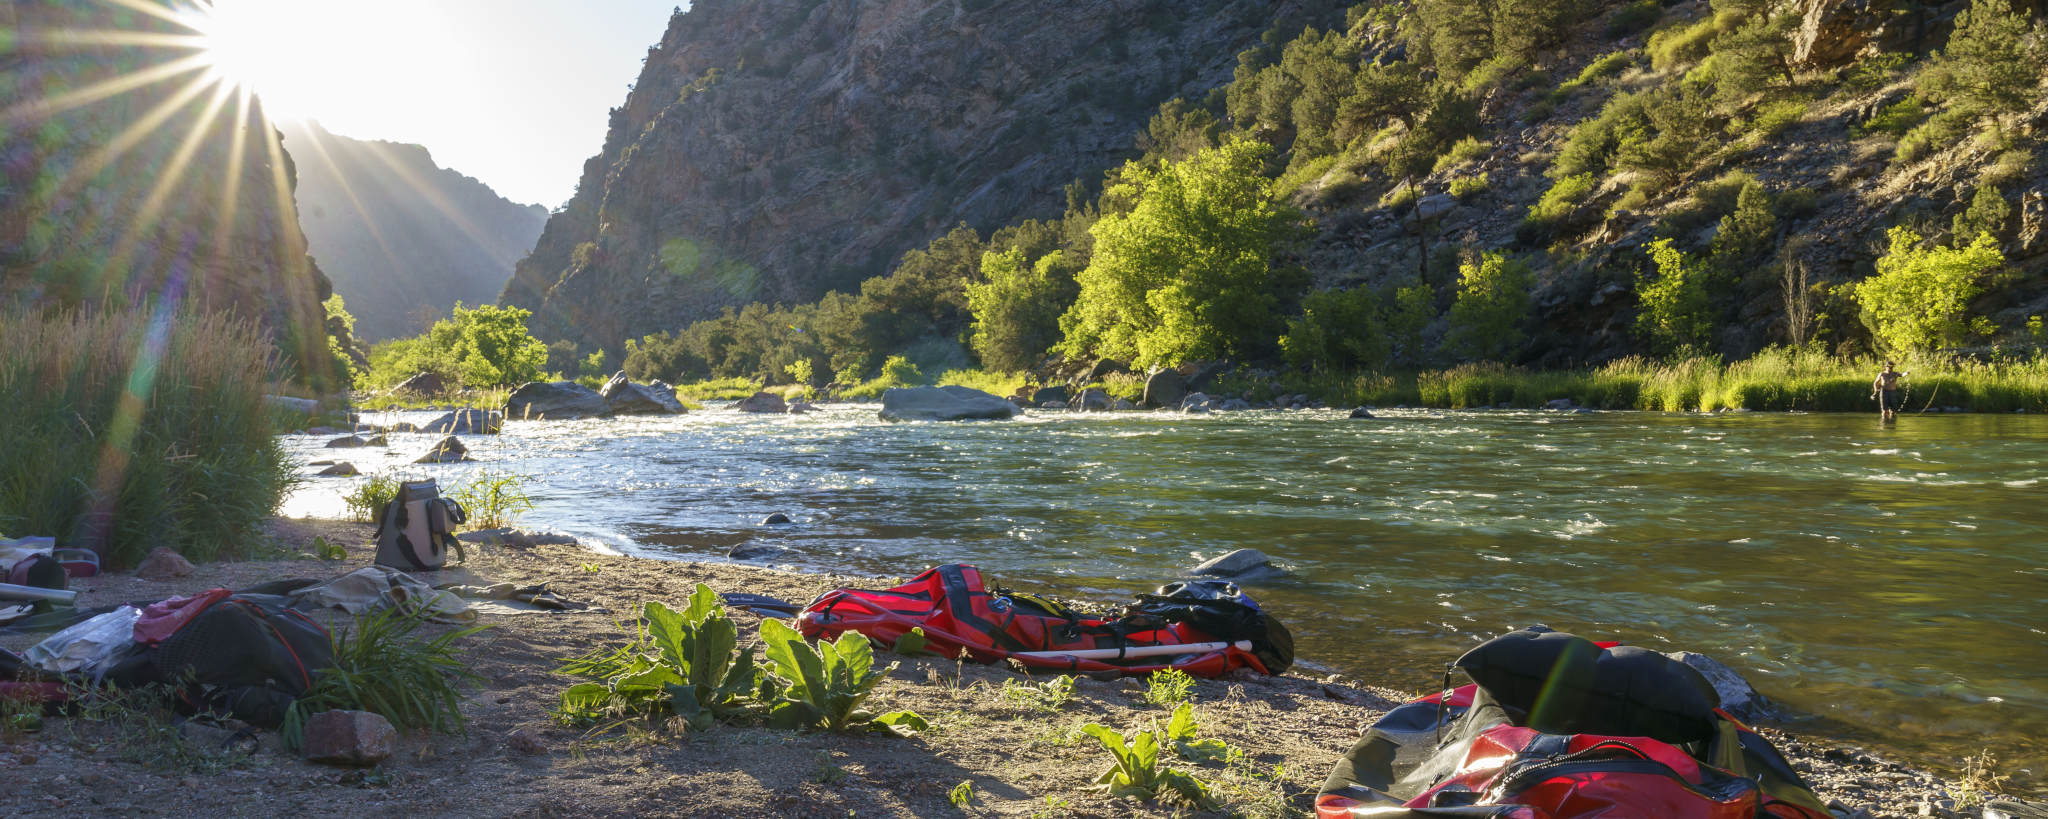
(1049, 696)
(1169, 687)
(133, 429)
(382, 667)
(493, 498)
(368, 499)
(719, 389)
(898, 371)
(1682, 44)
(1466, 187)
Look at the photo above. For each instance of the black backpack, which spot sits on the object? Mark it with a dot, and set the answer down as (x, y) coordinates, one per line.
(416, 530)
(1221, 610)
(248, 656)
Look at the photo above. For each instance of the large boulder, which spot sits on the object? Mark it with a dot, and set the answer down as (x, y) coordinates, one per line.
(465, 422)
(1165, 389)
(448, 451)
(627, 398)
(1045, 395)
(762, 402)
(1834, 32)
(423, 384)
(1092, 400)
(342, 469)
(950, 403)
(555, 401)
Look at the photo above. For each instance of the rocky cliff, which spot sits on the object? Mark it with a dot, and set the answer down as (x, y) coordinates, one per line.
(170, 189)
(774, 149)
(403, 238)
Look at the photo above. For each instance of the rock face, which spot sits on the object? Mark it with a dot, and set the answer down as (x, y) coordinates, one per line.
(627, 398)
(466, 422)
(1238, 564)
(402, 237)
(423, 384)
(1833, 32)
(761, 402)
(448, 451)
(772, 150)
(1165, 389)
(163, 564)
(59, 243)
(953, 403)
(555, 401)
(351, 738)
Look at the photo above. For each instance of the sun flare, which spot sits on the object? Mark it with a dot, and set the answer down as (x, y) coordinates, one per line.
(268, 47)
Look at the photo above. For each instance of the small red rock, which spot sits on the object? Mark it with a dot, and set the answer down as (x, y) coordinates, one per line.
(358, 738)
(163, 564)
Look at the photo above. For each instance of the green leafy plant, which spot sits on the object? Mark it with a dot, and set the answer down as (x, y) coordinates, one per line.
(367, 500)
(962, 795)
(1047, 696)
(493, 498)
(1920, 297)
(1136, 772)
(381, 666)
(687, 664)
(1169, 687)
(1180, 733)
(824, 685)
(913, 643)
(325, 550)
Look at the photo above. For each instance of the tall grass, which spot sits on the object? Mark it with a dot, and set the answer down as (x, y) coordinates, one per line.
(131, 429)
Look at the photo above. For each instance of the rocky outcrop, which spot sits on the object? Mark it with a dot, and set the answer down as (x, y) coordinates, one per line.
(950, 403)
(627, 398)
(83, 224)
(403, 238)
(555, 401)
(761, 402)
(1165, 389)
(772, 150)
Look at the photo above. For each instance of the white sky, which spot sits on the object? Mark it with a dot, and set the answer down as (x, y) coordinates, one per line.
(512, 92)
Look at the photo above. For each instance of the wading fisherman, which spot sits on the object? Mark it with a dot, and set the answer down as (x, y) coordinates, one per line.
(1885, 388)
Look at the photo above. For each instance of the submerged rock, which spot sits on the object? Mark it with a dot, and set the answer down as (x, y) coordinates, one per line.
(624, 397)
(1361, 412)
(555, 401)
(1239, 564)
(949, 403)
(343, 469)
(448, 451)
(755, 551)
(353, 442)
(762, 402)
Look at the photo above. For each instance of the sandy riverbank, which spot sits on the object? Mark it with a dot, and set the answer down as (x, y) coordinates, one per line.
(515, 761)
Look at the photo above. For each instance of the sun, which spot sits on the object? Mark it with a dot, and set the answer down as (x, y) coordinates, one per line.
(262, 46)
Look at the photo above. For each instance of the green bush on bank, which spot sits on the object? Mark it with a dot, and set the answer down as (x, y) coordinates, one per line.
(132, 429)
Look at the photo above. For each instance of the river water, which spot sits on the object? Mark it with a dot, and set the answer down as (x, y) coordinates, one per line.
(1888, 584)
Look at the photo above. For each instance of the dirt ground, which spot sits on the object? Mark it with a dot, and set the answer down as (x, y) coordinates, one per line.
(1019, 757)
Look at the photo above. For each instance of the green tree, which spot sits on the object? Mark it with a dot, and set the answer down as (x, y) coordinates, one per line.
(1493, 298)
(1677, 303)
(489, 345)
(1188, 273)
(1338, 330)
(1992, 65)
(1987, 213)
(1754, 54)
(1017, 307)
(1414, 307)
(1746, 235)
(1920, 297)
(1456, 34)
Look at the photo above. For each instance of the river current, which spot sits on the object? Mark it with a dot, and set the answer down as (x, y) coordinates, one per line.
(1888, 585)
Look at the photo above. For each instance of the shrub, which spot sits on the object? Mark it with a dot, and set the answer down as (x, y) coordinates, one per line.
(1775, 117)
(1895, 119)
(132, 429)
(1338, 330)
(1017, 307)
(1560, 205)
(381, 667)
(1493, 298)
(1681, 44)
(1168, 687)
(896, 372)
(1986, 215)
(368, 499)
(1677, 309)
(493, 498)
(1634, 17)
(1469, 149)
(1466, 187)
(1607, 65)
(1920, 297)
(484, 346)
(1991, 66)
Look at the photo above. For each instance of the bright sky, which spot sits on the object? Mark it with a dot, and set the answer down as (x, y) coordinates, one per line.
(512, 92)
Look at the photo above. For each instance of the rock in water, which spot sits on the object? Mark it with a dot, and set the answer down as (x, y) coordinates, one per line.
(627, 398)
(950, 403)
(1737, 697)
(775, 519)
(1240, 563)
(555, 401)
(801, 407)
(343, 469)
(1165, 389)
(352, 738)
(762, 402)
(1093, 400)
(163, 564)
(448, 451)
(423, 384)
(465, 422)
(754, 551)
(1047, 395)
(1361, 412)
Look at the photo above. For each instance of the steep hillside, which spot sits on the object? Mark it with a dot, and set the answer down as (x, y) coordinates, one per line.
(403, 238)
(774, 149)
(169, 190)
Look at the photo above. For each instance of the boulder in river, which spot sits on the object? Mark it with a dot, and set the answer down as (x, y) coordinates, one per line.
(755, 551)
(464, 422)
(1047, 395)
(762, 402)
(775, 519)
(342, 469)
(624, 397)
(801, 407)
(555, 401)
(423, 384)
(448, 451)
(1092, 400)
(1240, 564)
(949, 403)
(1737, 697)
(1165, 389)
(1123, 405)
(1558, 404)
(1361, 412)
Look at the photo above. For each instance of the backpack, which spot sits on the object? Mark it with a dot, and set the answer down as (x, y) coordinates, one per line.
(40, 571)
(245, 655)
(414, 533)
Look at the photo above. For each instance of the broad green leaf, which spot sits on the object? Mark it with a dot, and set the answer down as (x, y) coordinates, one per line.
(904, 723)
(704, 603)
(912, 643)
(1182, 725)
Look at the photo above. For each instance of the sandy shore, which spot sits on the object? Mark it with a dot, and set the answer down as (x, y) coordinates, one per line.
(1022, 759)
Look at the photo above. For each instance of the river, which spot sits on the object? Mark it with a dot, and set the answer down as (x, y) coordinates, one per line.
(1886, 584)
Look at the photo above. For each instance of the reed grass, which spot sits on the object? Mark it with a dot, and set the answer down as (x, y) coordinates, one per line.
(130, 429)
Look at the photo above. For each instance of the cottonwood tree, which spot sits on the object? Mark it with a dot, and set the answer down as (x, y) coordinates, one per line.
(1493, 298)
(1920, 297)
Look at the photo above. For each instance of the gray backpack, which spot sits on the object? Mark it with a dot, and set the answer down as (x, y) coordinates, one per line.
(415, 532)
